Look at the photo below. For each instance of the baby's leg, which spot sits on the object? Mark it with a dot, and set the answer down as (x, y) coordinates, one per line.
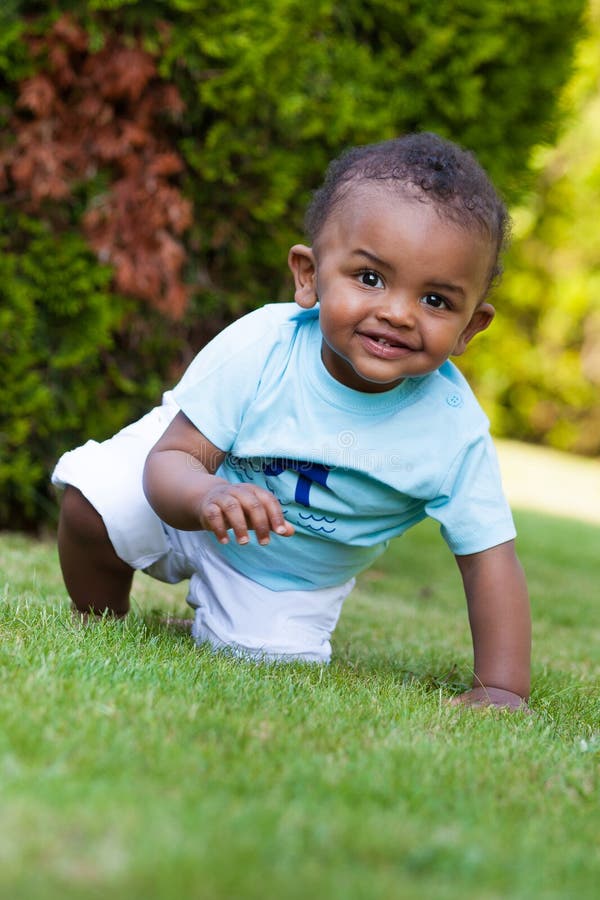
(107, 529)
(96, 579)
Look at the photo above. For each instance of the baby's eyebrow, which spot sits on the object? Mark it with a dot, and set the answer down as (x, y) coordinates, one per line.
(380, 263)
(449, 288)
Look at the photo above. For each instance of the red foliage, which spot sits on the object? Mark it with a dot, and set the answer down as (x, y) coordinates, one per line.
(88, 111)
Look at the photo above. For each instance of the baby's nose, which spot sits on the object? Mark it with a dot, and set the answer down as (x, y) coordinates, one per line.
(398, 310)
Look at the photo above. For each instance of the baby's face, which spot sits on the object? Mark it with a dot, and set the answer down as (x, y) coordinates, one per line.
(400, 289)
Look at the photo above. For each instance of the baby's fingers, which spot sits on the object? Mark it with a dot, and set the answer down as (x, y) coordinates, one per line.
(277, 522)
(212, 518)
(242, 512)
(243, 508)
(255, 507)
(264, 514)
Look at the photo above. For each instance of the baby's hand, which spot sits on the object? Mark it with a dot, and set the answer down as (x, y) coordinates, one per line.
(243, 508)
(490, 696)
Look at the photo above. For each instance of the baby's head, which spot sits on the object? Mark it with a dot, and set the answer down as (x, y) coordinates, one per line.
(424, 167)
(406, 239)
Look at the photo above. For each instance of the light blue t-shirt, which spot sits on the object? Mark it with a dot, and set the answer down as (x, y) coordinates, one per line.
(350, 469)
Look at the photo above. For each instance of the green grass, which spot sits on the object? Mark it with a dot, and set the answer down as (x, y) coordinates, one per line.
(134, 765)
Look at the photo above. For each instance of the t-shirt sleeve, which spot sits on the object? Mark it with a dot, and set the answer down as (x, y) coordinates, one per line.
(471, 506)
(223, 378)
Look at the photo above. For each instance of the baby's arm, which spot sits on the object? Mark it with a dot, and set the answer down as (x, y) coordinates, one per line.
(181, 487)
(500, 622)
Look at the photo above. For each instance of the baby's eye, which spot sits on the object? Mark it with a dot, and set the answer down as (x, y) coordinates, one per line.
(370, 279)
(435, 300)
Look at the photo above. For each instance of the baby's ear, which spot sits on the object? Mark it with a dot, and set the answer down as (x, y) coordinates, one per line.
(480, 320)
(301, 261)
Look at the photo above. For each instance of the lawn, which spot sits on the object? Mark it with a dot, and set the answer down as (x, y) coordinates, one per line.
(134, 765)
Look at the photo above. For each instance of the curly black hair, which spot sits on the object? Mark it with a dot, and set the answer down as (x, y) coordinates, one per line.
(435, 170)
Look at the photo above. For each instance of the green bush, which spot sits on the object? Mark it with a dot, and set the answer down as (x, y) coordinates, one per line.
(276, 88)
(64, 361)
(273, 90)
(538, 370)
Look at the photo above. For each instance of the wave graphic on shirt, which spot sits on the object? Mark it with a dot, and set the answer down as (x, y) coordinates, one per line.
(306, 522)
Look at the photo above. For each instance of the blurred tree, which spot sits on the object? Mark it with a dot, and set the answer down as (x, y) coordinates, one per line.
(87, 115)
(73, 360)
(538, 370)
(267, 92)
(184, 138)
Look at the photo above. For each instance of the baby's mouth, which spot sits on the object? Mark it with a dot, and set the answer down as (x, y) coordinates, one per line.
(385, 342)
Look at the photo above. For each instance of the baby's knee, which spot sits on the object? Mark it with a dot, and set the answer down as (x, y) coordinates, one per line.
(79, 518)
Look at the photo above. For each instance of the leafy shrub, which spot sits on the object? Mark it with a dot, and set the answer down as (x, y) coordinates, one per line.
(263, 94)
(90, 113)
(229, 111)
(66, 357)
(275, 88)
(538, 371)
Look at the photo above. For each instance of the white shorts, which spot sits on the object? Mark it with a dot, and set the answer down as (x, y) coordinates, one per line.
(232, 611)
